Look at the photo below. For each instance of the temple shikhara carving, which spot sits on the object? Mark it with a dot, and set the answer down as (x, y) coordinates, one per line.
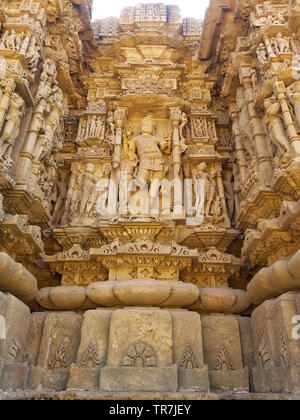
(149, 200)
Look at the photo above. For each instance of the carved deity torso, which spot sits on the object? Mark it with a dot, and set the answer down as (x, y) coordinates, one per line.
(149, 152)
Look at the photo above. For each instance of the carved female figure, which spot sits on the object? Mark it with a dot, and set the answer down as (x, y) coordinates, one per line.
(229, 192)
(62, 189)
(262, 54)
(201, 172)
(275, 125)
(88, 187)
(12, 124)
(294, 98)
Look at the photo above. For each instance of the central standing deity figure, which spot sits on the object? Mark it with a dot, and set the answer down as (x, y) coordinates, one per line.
(149, 150)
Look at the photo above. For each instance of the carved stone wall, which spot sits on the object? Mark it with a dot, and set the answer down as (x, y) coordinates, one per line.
(149, 196)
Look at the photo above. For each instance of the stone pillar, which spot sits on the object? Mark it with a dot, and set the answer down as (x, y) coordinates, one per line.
(176, 160)
(294, 139)
(222, 193)
(23, 169)
(120, 116)
(264, 158)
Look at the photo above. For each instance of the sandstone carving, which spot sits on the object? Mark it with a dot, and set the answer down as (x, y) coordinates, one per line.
(149, 200)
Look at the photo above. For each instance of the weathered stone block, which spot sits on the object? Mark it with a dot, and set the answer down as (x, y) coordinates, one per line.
(141, 338)
(83, 378)
(58, 349)
(139, 379)
(235, 380)
(35, 332)
(267, 380)
(264, 335)
(247, 344)
(187, 339)
(221, 342)
(34, 377)
(13, 376)
(55, 379)
(94, 340)
(223, 353)
(194, 379)
(17, 319)
(92, 352)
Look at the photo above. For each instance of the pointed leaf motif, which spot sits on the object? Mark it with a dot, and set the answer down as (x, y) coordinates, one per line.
(284, 355)
(58, 359)
(264, 354)
(90, 357)
(223, 362)
(16, 351)
(188, 359)
(139, 355)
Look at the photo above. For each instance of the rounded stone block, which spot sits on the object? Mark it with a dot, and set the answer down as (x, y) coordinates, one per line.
(217, 300)
(88, 304)
(182, 294)
(68, 297)
(294, 265)
(142, 292)
(16, 279)
(281, 277)
(43, 298)
(260, 287)
(102, 293)
(242, 301)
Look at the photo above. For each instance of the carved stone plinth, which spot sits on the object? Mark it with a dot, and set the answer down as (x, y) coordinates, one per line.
(20, 201)
(264, 205)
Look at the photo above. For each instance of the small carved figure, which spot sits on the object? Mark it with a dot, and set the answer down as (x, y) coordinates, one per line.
(111, 131)
(33, 55)
(282, 45)
(62, 189)
(202, 172)
(229, 192)
(262, 54)
(87, 188)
